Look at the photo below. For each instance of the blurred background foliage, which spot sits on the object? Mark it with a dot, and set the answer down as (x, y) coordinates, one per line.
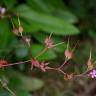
(64, 18)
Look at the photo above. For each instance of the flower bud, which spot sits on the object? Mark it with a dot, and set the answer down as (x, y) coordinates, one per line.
(89, 63)
(48, 42)
(92, 74)
(2, 63)
(15, 31)
(27, 41)
(68, 54)
(20, 29)
(2, 11)
(69, 76)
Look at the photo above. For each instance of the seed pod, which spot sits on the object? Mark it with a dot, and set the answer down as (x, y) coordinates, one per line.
(21, 29)
(69, 76)
(68, 54)
(89, 63)
(15, 31)
(27, 40)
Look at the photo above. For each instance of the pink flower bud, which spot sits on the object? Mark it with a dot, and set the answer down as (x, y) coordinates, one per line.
(15, 31)
(92, 74)
(44, 66)
(2, 63)
(68, 54)
(48, 42)
(34, 63)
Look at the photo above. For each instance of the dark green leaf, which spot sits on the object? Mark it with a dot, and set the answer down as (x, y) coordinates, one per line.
(66, 15)
(46, 22)
(23, 93)
(9, 3)
(26, 83)
(31, 84)
(6, 35)
(39, 5)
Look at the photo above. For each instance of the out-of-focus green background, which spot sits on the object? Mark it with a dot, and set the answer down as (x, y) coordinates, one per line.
(64, 18)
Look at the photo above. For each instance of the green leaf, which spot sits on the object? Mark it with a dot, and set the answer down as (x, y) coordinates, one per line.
(47, 23)
(23, 93)
(57, 4)
(9, 3)
(47, 6)
(66, 15)
(48, 55)
(14, 82)
(39, 5)
(31, 84)
(6, 35)
(26, 83)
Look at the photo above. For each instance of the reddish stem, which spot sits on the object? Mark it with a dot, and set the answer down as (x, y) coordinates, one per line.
(17, 63)
(65, 62)
(57, 69)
